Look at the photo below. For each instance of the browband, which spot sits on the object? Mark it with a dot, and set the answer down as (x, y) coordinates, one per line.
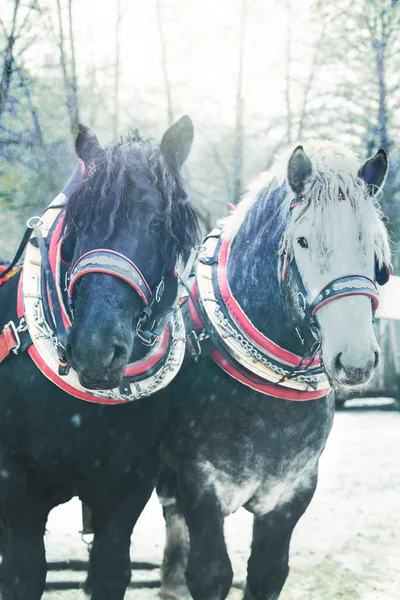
(111, 263)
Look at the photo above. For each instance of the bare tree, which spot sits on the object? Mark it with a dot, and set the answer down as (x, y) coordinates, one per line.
(367, 44)
(25, 83)
(310, 83)
(239, 126)
(167, 82)
(70, 82)
(8, 61)
(288, 71)
(117, 73)
(73, 82)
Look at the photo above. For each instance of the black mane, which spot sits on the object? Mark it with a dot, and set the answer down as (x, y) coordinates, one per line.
(104, 193)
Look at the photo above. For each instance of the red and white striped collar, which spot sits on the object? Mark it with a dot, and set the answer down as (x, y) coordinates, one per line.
(142, 377)
(241, 349)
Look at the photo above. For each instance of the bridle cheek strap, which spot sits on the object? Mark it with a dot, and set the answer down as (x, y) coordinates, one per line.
(348, 285)
(111, 263)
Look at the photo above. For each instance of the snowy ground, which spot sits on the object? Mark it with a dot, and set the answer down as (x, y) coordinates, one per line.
(346, 547)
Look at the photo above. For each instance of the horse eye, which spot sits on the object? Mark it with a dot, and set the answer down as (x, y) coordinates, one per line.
(302, 242)
(155, 225)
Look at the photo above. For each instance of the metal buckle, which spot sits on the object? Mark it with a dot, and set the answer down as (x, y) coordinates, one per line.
(14, 329)
(160, 290)
(147, 341)
(34, 222)
(195, 347)
(22, 325)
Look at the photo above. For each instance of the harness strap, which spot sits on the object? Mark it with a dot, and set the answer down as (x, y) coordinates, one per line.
(154, 318)
(216, 344)
(200, 345)
(14, 339)
(58, 321)
(18, 254)
(9, 341)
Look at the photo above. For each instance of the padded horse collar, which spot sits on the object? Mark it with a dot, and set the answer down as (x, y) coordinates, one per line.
(238, 347)
(142, 378)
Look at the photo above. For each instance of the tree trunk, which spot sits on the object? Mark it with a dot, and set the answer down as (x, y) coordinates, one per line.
(8, 63)
(239, 129)
(380, 45)
(116, 71)
(167, 83)
(70, 97)
(309, 84)
(38, 135)
(288, 72)
(74, 81)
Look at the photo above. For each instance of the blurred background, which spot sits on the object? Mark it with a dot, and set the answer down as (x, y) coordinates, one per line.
(254, 75)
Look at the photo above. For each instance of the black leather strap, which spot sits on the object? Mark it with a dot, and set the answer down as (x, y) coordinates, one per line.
(59, 324)
(18, 254)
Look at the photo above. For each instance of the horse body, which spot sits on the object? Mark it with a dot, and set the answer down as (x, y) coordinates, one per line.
(229, 446)
(253, 453)
(231, 449)
(54, 446)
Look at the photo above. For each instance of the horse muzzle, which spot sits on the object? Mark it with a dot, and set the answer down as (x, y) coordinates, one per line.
(347, 371)
(99, 363)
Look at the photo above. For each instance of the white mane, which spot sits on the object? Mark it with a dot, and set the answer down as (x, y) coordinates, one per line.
(335, 170)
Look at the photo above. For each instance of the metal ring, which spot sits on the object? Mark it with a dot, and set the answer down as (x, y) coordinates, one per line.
(33, 222)
(160, 290)
(302, 302)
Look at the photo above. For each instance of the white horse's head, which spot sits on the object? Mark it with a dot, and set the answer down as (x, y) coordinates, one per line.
(335, 230)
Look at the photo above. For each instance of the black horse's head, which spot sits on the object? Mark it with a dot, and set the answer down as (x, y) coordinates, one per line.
(132, 204)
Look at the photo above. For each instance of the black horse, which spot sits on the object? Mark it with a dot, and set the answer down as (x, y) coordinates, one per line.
(54, 446)
(230, 445)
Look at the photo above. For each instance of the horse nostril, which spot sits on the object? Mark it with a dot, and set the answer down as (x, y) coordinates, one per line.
(338, 362)
(119, 356)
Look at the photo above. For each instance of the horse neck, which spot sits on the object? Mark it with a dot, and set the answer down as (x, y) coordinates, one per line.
(253, 271)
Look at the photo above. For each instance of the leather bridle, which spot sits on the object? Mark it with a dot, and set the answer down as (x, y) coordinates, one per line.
(346, 285)
(112, 263)
(100, 260)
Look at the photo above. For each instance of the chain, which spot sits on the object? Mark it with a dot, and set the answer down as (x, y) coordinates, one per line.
(40, 322)
(169, 365)
(252, 351)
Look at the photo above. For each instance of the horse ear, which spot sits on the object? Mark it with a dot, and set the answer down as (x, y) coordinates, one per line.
(299, 169)
(375, 170)
(87, 145)
(177, 141)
